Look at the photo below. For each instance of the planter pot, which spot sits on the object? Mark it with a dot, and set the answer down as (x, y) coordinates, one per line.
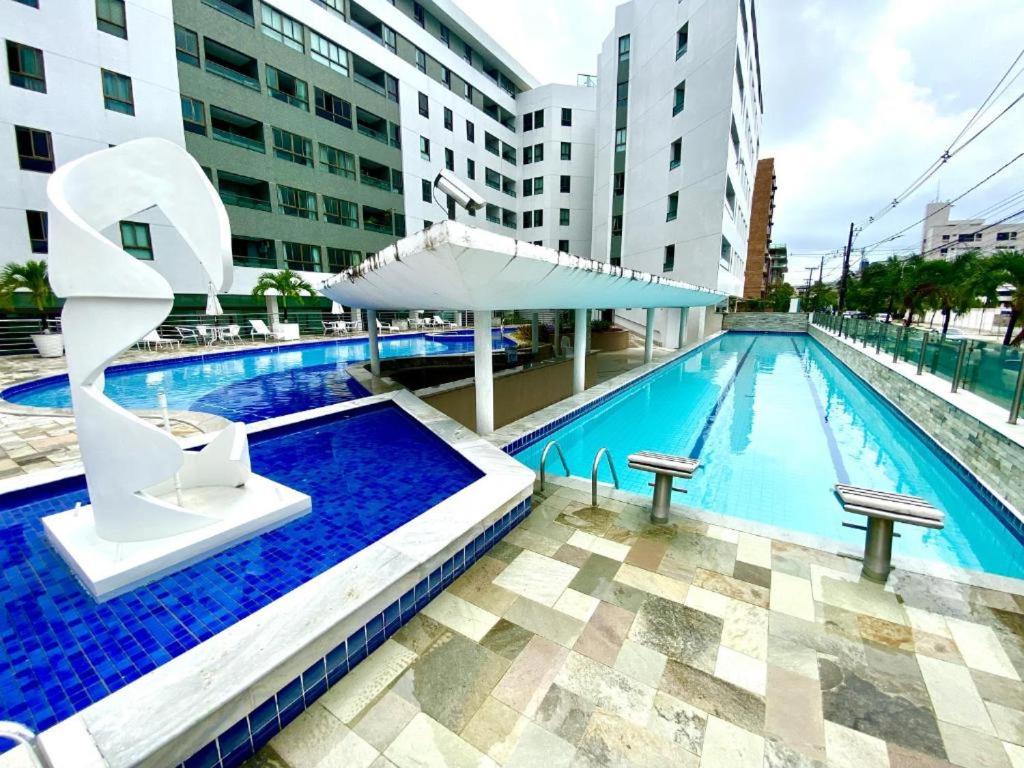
(49, 344)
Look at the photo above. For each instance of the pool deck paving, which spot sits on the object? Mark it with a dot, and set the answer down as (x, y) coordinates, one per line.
(592, 637)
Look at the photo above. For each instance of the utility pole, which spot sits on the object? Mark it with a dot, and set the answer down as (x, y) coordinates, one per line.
(810, 275)
(846, 271)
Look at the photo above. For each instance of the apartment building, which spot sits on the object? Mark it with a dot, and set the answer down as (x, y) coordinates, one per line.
(778, 264)
(757, 278)
(678, 133)
(945, 238)
(323, 123)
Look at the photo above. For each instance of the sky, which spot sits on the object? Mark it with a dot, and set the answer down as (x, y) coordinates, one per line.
(861, 97)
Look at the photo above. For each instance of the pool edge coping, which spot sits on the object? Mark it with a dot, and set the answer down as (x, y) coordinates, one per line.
(205, 690)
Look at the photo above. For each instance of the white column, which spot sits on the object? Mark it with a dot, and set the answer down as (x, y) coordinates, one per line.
(558, 335)
(579, 354)
(534, 331)
(483, 371)
(649, 336)
(458, 319)
(371, 327)
(684, 320)
(702, 316)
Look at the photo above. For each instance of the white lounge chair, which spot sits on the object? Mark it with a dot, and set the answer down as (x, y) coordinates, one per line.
(387, 327)
(232, 334)
(334, 326)
(440, 322)
(259, 328)
(187, 334)
(154, 339)
(206, 333)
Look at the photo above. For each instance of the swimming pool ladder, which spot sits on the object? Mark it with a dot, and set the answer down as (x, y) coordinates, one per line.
(544, 457)
(593, 473)
(20, 734)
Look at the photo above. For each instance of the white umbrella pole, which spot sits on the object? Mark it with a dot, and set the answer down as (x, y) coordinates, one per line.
(161, 399)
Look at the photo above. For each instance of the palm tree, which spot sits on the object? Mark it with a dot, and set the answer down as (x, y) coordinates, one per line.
(286, 284)
(32, 276)
(1009, 268)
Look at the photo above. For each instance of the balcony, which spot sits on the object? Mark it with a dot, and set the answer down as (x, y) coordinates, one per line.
(369, 124)
(243, 192)
(237, 129)
(236, 9)
(253, 252)
(373, 77)
(374, 174)
(377, 220)
(231, 64)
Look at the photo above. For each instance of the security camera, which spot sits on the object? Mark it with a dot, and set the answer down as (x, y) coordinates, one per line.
(450, 185)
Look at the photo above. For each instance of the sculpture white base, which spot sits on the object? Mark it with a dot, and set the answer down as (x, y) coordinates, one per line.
(108, 569)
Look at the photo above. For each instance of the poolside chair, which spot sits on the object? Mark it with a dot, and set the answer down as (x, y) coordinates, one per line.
(206, 333)
(387, 327)
(440, 322)
(259, 328)
(154, 339)
(186, 333)
(334, 326)
(232, 334)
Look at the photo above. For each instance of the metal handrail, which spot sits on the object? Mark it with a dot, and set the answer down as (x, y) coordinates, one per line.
(21, 734)
(544, 457)
(593, 473)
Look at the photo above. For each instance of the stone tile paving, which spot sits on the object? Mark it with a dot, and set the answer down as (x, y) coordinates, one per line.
(590, 637)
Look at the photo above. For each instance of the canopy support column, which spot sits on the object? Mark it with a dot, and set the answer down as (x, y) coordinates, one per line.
(649, 336)
(684, 319)
(483, 371)
(558, 333)
(534, 331)
(579, 355)
(371, 329)
(702, 316)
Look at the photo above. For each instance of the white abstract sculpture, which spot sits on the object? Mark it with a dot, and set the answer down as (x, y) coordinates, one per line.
(133, 468)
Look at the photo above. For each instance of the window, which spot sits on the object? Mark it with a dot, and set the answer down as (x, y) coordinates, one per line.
(328, 53)
(338, 161)
(739, 75)
(187, 44)
(283, 28)
(538, 242)
(563, 217)
(735, 136)
(467, 52)
(624, 48)
(673, 207)
(566, 117)
(110, 18)
(622, 94)
(450, 207)
(397, 182)
(679, 101)
(389, 38)
(449, 119)
(527, 219)
(236, 9)
(339, 259)
(730, 197)
(527, 187)
(25, 67)
(682, 40)
(538, 185)
(287, 88)
(424, 105)
(377, 220)
(508, 153)
(527, 155)
(565, 184)
(135, 240)
(620, 139)
(302, 256)
(343, 212)
(333, 108)
(449, 159)
(395, 135)
(491, 143)
(470, 168)
(424, 147)
(1005, 236)
(417, 13)
(538, 153)
(538, 218)
(726, 255)
(944, 251)
(493, 214)
(243, 191)
(427, 190)
(421, 60)
(508, 218)
(446, 36)
(470, 132)
(563, 246)
(253, 252)
(467, 94)
(492, 178)
(193, 115)
(528, 121)
(297, 202)
(446, 77)
(231, 64)
(37, 231)
(619, 186)
(29, 3)
(669, 261)
(117, 93)
(566, 153)
(236, 129)
(675, 154)
(538, 118)
(293, 147)
(616, 225)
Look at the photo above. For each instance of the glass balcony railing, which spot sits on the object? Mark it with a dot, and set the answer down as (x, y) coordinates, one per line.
(378, 227)
(232, 11)
(243, 201)
(232, 74)
(380, 136)
(256, 145)
(375, 182)
(368, 83)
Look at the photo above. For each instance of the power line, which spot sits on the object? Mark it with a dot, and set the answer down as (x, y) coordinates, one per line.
(994, 208)
(978, 231)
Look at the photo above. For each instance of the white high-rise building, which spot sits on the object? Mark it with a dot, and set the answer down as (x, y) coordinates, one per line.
(946, 238)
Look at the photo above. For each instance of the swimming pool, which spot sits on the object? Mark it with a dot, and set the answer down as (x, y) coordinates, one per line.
(776, 421)
(249, 385)
(61, 651)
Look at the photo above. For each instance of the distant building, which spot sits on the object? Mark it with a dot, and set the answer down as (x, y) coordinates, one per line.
(778, 264)
(945, 238)
(757, 278)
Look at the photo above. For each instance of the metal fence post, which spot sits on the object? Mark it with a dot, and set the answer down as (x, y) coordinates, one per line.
(961, 355)
(883, 331)
(1017, 392)
(901, 334)
(924, 349)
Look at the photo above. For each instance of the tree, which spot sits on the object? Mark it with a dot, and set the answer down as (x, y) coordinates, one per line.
(821, 295)
(779, 297)
(286, 284)
(1009, 268)
(33, 277)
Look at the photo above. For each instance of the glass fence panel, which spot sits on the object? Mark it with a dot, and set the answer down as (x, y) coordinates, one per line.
(990, 371)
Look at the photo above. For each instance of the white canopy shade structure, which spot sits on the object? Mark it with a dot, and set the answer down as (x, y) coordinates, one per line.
(451, 266)
(213, 306)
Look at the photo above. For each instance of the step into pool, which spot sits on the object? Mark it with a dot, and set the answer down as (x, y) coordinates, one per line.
(777, 421)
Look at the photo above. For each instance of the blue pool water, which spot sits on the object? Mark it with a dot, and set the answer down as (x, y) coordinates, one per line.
(250, 385)
(776, 421)
(60, 651)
